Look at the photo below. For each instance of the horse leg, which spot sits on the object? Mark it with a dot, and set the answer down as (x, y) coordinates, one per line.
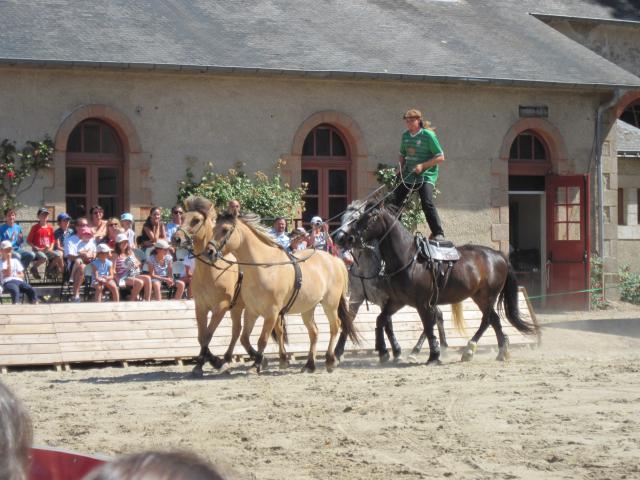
(312, 328)
(420, 342)
(440, 324)
(428, 317)
(472, 345)
(342, 339)
(267, 327)
(216, 317)
(236, 327)
(381, 346)
(389, 310)
(201, 320)
(331, 313)
(249, 322)
(503, 340)
(282, 352)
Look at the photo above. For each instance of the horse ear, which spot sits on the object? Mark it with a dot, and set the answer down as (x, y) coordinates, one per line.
(202, 205)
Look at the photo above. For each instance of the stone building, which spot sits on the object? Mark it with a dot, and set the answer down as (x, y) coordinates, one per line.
(133, 93)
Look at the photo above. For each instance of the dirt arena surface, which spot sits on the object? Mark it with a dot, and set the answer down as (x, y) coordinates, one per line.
(567, 410)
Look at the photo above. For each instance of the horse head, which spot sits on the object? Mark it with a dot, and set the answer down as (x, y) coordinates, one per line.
(362, 223)
(196, 228)
(223, 233)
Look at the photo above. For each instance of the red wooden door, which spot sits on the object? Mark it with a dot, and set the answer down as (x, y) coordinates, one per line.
(567, 241)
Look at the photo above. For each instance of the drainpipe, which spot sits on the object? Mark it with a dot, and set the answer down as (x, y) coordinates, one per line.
(600, 177)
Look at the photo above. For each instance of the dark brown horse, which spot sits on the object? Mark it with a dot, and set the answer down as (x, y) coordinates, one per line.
(482, 273)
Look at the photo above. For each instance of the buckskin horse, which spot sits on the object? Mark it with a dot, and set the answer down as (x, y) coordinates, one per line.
(482, 273)
(277, 282)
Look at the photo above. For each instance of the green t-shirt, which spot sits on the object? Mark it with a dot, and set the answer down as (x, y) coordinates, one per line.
(417, 149)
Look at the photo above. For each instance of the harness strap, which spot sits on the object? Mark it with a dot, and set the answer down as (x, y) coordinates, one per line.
(236, 291)
(297, 284)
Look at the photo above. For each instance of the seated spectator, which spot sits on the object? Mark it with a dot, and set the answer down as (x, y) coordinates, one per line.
(160, 264)
(127, 269)
(319, 237)
(176, 220)
(12, 276)
(12, 231)
(16, 436)
(279, 232)
(234, 207)
(298, 239)
(42, 243)
(189, 265)
(98, 225)
(128, 225)
(153, 229)
(156, 466)
(113, 230)
(79, 250)
(103, 276)
(63, 231)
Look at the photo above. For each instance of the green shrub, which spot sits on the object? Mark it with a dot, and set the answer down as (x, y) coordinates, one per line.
(268, 197)
(629, 285)
(596, 297)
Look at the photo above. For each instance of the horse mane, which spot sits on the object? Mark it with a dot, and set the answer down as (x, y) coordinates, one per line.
(252, 221)
(200, 205)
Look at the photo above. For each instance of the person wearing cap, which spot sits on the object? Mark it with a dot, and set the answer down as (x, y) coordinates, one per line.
(319, 236)
(127, 270)
(12, 231)
(12, 275)
(79, 250)
(160, 265)
(279, 232)
(126, 221)
(42, 243)
(419, 160)
(177, 213)
(298, 239)
(103, 276)
(64, 231)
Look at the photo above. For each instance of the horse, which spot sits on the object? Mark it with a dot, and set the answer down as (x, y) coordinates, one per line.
(482, 273)
(276, 282)
(214, 285)
(367, 283)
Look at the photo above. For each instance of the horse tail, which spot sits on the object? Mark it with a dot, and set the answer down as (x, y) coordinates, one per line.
(457, 316)
(508, 301)
(283, 325)
(345, 314)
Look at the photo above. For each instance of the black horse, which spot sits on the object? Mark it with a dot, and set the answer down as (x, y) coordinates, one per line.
(482, 273)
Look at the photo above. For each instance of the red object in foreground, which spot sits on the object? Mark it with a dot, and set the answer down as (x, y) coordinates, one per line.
(54, 464)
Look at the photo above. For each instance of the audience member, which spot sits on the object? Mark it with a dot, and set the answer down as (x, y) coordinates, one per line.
(189, 265)
(80, 250)
(42, 243)
(16, 437)
(63, 231)
(160, 267)
(298, 239)
(12, 275)
(319, 237)
(103, 276)
(176, 220)
(12, 231)
(153, 229)
(234, 207)
(156, 466)
(126, 221)
(127, 269)
(279, 232)
(113, 230)
(98, 225)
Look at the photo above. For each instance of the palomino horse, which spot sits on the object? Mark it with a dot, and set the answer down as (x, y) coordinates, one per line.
(272, 287)
(214, 285)
(481, 273)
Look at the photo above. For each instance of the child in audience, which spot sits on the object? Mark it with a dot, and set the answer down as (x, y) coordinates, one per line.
(103, 276)
(42, 243)
(63, 231)
(160, 264)
(127, 268)
(12, 275)
(189, 265)
(126, 221)
(12, 231)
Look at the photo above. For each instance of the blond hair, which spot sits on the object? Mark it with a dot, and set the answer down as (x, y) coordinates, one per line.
(415, 113)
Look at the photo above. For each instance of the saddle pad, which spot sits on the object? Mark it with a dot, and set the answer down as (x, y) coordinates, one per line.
(444, 251)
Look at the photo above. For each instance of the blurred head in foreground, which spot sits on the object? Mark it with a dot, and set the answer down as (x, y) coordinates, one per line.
(16, 436)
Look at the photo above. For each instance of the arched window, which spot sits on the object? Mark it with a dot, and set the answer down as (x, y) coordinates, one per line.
(326, 169)
(94, 169)
(528, 147)
(631, 114)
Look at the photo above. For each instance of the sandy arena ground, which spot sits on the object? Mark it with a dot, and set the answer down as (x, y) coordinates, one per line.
(570, 409)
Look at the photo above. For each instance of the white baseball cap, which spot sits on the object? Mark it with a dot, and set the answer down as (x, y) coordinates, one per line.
(103, 248)
(162, 244)
(5, 244)
(316, 220)
(122, 237)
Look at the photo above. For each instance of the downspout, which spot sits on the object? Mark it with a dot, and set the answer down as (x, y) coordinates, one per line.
(600, 177)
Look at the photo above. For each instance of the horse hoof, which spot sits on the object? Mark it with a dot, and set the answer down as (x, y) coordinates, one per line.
(434, 361)
(412, 358)
(384, 357)
(503, 356)
(283, 364)
(197, 372)
(264, 363)
(216, 362)
(397, 359)
(466, 356)
(309, 368)
(253, 370)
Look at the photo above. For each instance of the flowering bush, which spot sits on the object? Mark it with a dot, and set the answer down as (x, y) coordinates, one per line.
(16, 166)
(629, 285)
(268, 197)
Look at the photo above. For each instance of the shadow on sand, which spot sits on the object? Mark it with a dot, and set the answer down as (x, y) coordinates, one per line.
(628, 327)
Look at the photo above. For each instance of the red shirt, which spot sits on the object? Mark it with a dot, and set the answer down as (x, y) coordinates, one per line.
(41, 237)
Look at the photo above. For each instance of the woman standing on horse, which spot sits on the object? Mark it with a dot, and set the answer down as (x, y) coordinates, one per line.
(420, 155)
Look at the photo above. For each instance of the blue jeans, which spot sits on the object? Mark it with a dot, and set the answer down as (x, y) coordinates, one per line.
(15, 287)
(25, 257)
